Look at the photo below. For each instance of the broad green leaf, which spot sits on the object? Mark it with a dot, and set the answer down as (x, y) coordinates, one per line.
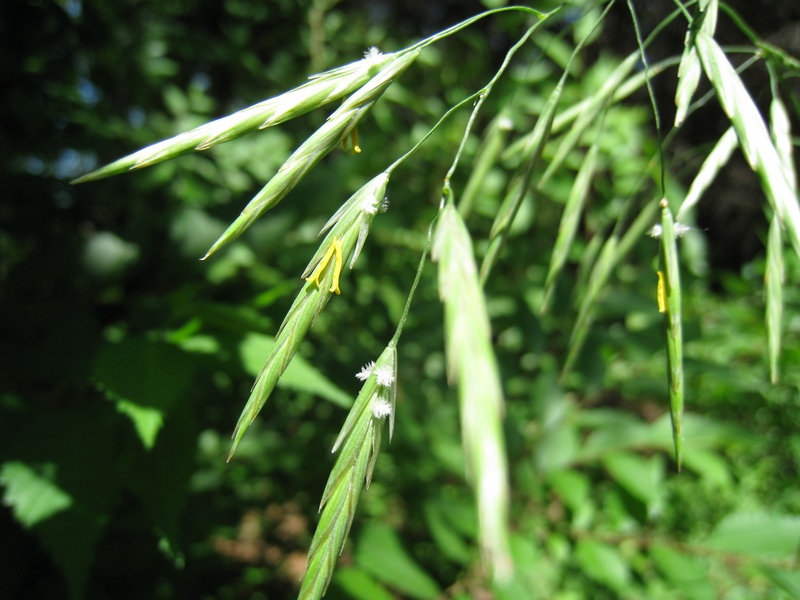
(359, 585)
(709, 466)
(32, 493)
(618, 431)
(640, 477)
(534, 573)
(380, 552)
(447, 539)
(146, 420)
(788, 581)
(300, 375)
(685, 572)
(74, 458)
(572, 487)
(766, 535)
(603, 563)
(144, 379)
(558, 446)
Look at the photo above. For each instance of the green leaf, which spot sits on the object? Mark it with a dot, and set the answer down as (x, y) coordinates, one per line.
(709, 466)
(533, 575)
(684, 572)
(146, 420)
(80, 452)
(380, 552)
(300, 375)
(603, 563)
(757, 534)
(572, 487)
(449, 542)
(788, 581)
(640, 477)
(359, 585)
(32, 493)
(144, 379)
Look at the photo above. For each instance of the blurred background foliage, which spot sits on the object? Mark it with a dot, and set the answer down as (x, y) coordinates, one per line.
(126, 361)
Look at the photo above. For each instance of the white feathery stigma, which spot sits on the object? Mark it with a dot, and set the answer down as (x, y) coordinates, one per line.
(679, 229)
(366, 371)
(370, 205)
(372, 54)
(384, 375)
(381, 407)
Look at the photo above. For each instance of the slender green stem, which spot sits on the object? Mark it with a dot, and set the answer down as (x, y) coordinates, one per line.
(464, 24)
(533, 151)
(482, 95)
(740, 23)
(430, 132)
(422, 261)
(684, 10)
(651, 93)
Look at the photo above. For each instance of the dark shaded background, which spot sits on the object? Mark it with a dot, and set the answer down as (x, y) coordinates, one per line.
(80, 267)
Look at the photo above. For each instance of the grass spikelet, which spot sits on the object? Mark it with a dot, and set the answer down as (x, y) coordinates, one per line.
(487, 157)
(472, 365)
(520, 184)
(775, 272)
(589, 117)
(344, 236)
(752, 133)
(310, 152)
(569, 221)
(601, 270)
(358, 445)
(690, 70)
(711, 166)
(773, 289)
(531, 152)
(672, 319)
(320, 90)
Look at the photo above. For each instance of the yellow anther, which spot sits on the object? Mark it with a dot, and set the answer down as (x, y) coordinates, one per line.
(350, 142)
(334, 251)
(662, 293)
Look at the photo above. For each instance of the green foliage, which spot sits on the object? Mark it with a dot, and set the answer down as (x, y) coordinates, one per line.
(534, 394)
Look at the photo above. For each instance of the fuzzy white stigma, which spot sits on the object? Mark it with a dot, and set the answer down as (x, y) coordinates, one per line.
(366, 371)
(679, 229)
(381, 408)
(384, 375)
(372, 54)
(370, 205)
